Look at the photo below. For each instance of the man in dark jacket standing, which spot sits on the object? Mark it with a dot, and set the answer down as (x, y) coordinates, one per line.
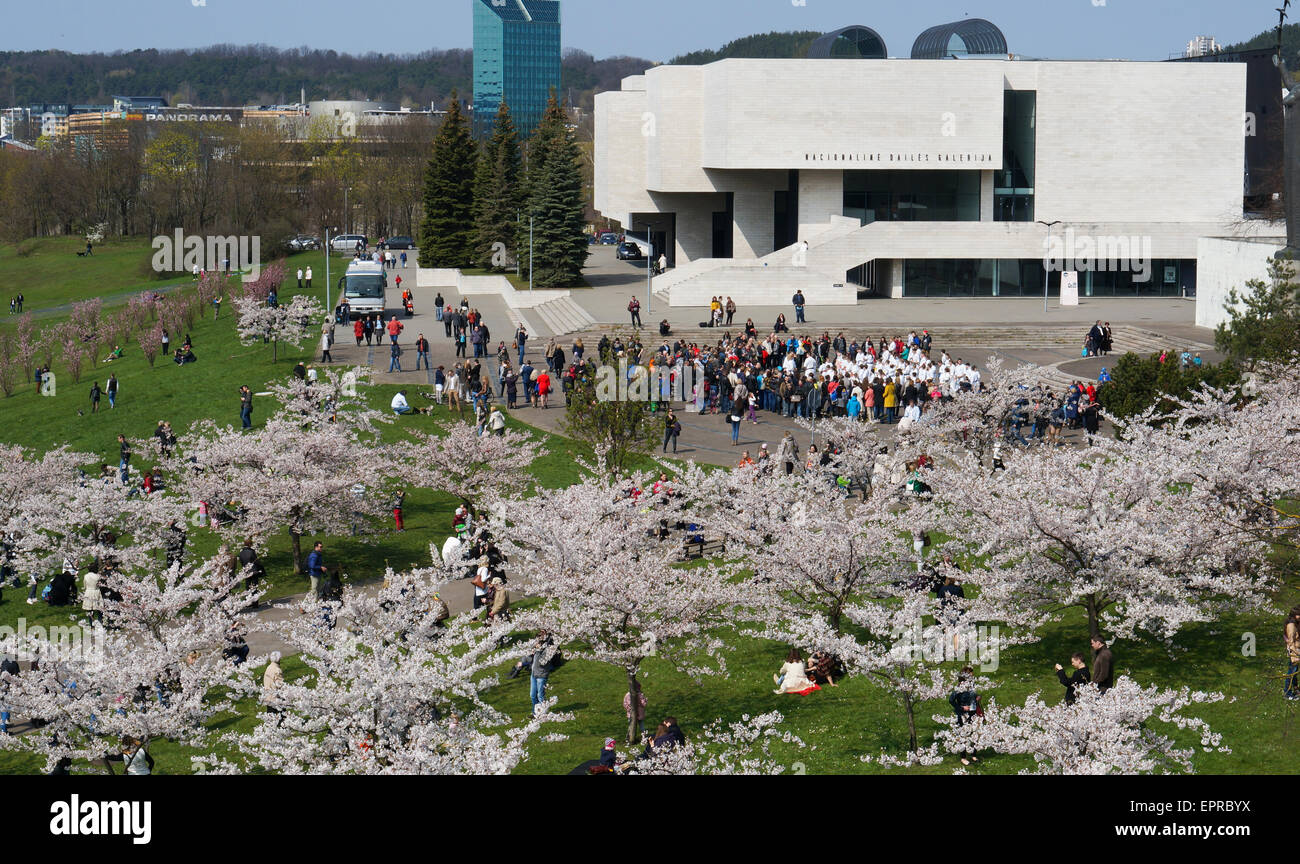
(1074, 681)
(248, 558)
(1103, 664)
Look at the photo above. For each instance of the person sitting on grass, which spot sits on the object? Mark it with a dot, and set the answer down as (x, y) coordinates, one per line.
(793, 678)
(822, 668)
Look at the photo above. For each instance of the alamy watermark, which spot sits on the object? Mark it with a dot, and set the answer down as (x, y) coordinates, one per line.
(658, 383)
(977, 646)
(188, 253)
(1099, 253)
(56, 643)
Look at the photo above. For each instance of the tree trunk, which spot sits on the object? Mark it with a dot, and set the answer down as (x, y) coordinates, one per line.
(910, 707)
(632, 726)
(1094, 626)
(296, 540)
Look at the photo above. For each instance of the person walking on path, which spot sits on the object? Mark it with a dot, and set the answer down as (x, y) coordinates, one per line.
(438, 303)
(672, 429)
(316, 566)
(1103, 664)
(1078, 678)
(394, 329)
(634, 307)
(326, 338)
(521, 342)
(422, 353)
(798, 301)
(395, 364)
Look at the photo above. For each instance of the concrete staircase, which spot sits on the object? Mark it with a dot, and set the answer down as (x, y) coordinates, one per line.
(563, 316)
(1125, 337)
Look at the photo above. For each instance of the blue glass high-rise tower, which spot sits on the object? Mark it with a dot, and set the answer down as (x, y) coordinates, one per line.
(516, 57)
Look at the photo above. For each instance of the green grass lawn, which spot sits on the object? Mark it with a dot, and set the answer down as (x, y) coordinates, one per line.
(839, 724)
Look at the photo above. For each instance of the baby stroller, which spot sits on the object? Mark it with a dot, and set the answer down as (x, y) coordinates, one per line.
(410, 307)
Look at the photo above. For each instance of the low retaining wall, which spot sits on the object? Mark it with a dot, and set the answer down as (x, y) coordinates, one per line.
(437, 277)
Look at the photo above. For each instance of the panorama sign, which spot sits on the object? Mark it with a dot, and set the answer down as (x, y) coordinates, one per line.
(192, 116)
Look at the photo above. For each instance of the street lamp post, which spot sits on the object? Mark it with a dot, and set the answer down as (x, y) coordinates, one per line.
(327, 269)
(1046, 259)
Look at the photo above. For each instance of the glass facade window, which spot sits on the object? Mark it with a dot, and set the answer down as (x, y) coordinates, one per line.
(912, 196)
(516, 58)
(988, 277)
(1013, 186)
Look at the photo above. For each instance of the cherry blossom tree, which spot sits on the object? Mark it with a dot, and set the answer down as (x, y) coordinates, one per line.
(474, 468)
(53, 512)
(298, 471)
(289, 322)
(1235, 453)
(605, 558)
(389, 690)
(1100, 733)
(27, 343)
(157, 669)
(1107, 529)
(150, 339)
(9, 362)
(842, 576)
(743, 747)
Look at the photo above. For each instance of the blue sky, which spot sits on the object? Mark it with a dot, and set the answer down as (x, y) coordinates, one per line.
(656, 29)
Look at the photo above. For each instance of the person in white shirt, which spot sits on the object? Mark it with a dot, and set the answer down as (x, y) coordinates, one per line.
(299, 278)
(974, 377)
(399, 403)
(308, 278)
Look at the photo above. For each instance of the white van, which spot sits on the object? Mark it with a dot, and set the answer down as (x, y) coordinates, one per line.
(365, 287)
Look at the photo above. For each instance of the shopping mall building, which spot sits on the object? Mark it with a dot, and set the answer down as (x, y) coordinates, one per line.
(968, 176)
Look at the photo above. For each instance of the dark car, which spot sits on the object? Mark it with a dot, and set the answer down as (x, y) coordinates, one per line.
(400, 243)
(609, 238)
(629, 252)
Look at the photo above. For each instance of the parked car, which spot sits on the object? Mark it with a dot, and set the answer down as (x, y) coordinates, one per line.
(609, 238)
(629, 252)
(303, 242)
(401, 243)
(347, 242)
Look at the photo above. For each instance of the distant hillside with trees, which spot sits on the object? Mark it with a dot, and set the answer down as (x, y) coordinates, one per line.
(261, 75)
(1268, 39)
(769, 45)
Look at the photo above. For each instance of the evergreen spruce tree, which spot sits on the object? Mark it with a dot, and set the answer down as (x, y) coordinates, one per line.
(447, 232)
(498, 194)
(554, 201)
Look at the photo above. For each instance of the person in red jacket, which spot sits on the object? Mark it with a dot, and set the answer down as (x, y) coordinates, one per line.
(359, 330)
(394, 329)
(543, 387)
